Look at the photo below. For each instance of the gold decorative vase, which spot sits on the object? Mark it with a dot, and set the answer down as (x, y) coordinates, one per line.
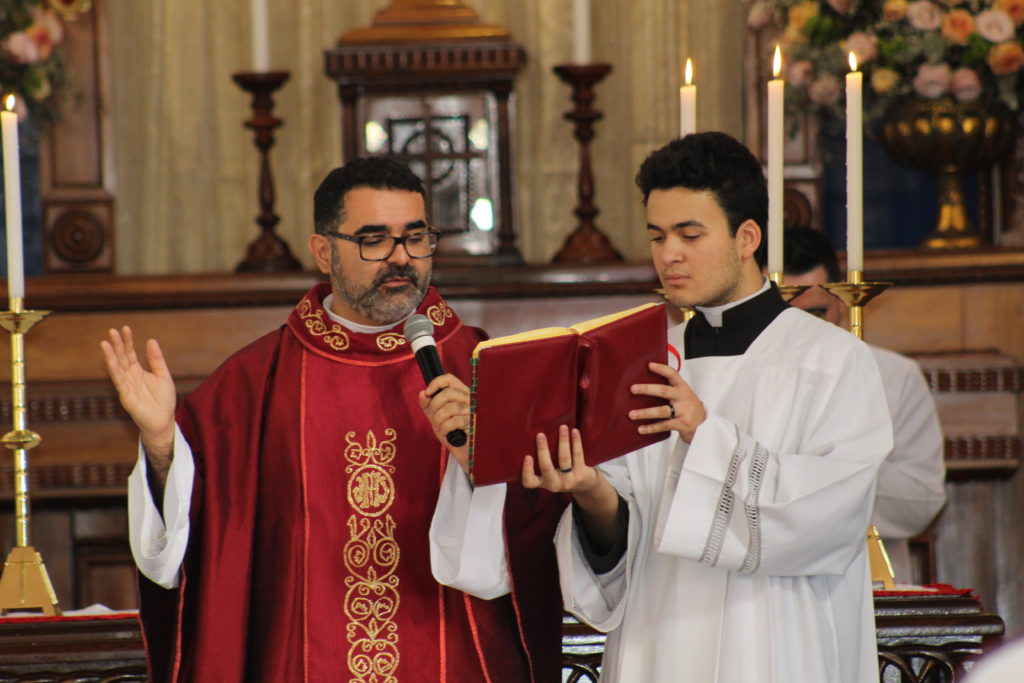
(948, 139)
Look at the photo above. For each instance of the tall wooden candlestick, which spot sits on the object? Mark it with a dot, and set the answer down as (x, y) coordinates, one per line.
(586, 244)
(268, 252)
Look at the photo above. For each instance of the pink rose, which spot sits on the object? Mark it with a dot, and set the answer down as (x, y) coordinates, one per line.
(995, 25)
(840, 6)
(801, 74)
(21, 48)
(966, 85)
(761, 13)
(924, 15)
(51, 23)
(825, 90)
(957, 26)
(1005, 58)
(862, 45)
(932, 80)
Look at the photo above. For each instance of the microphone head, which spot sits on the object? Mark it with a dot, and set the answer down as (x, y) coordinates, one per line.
(418, 326)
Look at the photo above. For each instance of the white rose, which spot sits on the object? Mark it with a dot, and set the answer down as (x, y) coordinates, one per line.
(924, 15)
(994, 25)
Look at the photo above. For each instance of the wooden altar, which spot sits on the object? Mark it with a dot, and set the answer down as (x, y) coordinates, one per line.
(929, 639)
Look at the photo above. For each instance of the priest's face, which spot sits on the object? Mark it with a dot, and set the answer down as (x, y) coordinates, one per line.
(815, 300)
(699, 261)
(375, 292)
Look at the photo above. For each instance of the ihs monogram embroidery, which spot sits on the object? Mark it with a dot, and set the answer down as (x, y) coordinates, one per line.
(371, 560)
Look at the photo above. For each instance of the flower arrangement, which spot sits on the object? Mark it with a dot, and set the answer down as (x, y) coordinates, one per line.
(31, 65)
(964, 49)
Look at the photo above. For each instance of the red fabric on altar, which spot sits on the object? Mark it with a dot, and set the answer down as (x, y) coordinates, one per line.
(316, 478)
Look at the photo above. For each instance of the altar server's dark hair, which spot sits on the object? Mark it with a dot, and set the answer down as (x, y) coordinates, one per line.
(804, 249)
(717, 163)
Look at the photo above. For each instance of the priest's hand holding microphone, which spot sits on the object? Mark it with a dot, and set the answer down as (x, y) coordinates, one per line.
(445, 401)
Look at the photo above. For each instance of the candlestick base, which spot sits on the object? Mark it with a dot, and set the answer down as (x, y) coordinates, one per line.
(25, 585)
(882, 574)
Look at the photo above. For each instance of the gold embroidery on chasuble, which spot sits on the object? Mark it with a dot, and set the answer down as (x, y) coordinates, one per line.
(334, 336)
(438, 313)
(389, 341)
(371, 560)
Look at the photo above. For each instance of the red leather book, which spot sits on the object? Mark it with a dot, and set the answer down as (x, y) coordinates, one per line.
(576, 376)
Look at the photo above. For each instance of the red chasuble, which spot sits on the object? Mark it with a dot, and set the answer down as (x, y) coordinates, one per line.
(316, 479)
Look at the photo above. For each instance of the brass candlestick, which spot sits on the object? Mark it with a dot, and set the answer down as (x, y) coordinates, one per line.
(856, 294)
(24, 585)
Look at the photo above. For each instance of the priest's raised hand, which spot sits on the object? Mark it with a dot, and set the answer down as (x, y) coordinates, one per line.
(148, 396)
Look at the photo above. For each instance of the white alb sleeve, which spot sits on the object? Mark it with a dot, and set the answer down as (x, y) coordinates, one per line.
(467, 540)
(158, 542)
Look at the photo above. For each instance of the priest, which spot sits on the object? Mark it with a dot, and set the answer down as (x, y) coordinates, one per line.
(735, 550)
(279, 516)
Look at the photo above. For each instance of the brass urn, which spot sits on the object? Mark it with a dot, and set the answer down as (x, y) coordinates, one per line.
(949, 139)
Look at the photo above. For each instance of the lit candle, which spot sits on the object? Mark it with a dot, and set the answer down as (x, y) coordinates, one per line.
(581, 31)
(776, 129)
(854, 169)
(688, 103)
(12, 200)
(260, 46)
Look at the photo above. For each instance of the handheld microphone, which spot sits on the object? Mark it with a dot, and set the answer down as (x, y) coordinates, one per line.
(419, 332)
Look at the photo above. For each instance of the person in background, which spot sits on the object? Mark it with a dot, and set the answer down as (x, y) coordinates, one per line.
(910, 491)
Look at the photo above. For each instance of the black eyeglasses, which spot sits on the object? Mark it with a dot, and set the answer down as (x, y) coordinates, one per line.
(376, 247)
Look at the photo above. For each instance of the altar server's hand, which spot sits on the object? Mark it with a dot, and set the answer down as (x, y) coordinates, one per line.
(147, 395)
(684, 412)
(445, 402)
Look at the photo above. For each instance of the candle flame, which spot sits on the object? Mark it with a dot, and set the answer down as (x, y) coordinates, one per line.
(777, 62)
(9, 103)
(853, 61)
(689, 71)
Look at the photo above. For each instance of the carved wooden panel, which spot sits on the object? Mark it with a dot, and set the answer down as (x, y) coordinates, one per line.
(76, 155)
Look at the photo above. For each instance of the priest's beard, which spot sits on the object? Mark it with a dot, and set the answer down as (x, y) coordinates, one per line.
(383, 306)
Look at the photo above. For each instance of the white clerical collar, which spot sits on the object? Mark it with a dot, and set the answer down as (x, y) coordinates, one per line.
(713, 314)
(355, 327)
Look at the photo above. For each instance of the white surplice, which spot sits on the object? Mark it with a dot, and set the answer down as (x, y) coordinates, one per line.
(746, 557)
(911, 480)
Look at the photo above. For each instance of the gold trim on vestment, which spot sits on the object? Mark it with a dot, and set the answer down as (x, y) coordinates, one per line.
(334, 336)
(439, 313)
(371, 559)
(389, 341)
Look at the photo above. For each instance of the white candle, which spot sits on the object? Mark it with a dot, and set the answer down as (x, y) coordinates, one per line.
(260, 45)
(12, 201)
(581, 31)
(688, 103)
(776, 130)
(854, 169)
